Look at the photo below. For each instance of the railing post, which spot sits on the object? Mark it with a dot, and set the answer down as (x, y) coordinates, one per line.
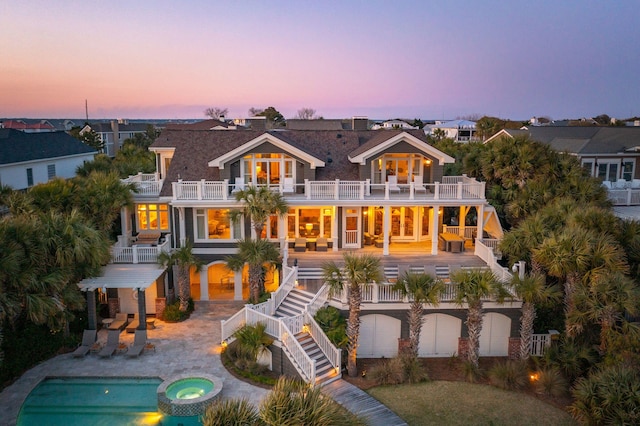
(368, 187)
(199, 189)
(386, 190)
(628, 196)
(225, 189)
(460, 190)
(307, 189)
(411, 189)
(362, 187)
(375, 296)
(336, 191)
(134, 253)
(436, 191)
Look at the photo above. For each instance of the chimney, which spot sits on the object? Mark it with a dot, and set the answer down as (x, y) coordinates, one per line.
(115, 129)
(360, 123)
(221, 118)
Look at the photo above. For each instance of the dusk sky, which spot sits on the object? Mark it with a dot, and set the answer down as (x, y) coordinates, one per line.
(382, 59)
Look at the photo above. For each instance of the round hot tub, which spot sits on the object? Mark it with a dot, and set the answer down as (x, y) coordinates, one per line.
(188, 395)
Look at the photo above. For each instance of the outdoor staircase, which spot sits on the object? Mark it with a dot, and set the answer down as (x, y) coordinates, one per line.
(294, 304)
(325, 373)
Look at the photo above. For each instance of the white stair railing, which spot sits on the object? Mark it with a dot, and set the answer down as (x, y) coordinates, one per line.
(332, 353)
(232, 324)
(301, 360)
(318, 300)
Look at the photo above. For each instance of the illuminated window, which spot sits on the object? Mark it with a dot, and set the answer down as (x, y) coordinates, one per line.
(153, 217)
(267, 169)
(215, 224)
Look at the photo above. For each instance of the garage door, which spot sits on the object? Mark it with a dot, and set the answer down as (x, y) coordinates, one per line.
(379, 336)
(494, 338)
(439, 335)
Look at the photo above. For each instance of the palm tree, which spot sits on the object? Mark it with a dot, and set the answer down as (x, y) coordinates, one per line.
(533, 290)
(472, 287)
(183, 258)
(357, 270)
(422, 288)
(605, 301)
(255, 253)
(259, 203)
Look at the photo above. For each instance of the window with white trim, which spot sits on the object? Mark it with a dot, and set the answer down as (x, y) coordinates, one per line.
(628, 169)
(404, 166)
(215, 224)
(51, 171)
(152, 217)
(29, 176)
(267, 169)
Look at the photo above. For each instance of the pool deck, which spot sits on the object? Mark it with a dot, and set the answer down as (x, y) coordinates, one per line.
(188, 347)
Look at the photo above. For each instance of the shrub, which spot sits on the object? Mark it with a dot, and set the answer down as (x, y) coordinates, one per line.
(608, 396)
(172, 313)
(388, 372)
(230, 412)
(509, 375)
(413, 370)
(253, 339)
(550, 382)
(471, 372)
(334, 325)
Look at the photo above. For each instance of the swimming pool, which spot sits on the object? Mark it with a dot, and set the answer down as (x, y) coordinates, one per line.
(72, 401)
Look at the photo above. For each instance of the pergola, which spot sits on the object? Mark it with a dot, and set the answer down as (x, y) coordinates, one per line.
(135, 276)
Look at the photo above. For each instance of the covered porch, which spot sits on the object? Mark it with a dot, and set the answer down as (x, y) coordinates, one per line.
(128, 289)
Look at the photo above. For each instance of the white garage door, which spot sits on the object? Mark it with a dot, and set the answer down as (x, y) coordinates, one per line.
(439, 335)
(494, 338)
(379, 336)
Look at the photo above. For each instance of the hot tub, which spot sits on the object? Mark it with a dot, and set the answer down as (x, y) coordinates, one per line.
(188, 394)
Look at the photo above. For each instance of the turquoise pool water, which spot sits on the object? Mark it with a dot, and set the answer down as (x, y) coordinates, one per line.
(189, 388)
(72, 401)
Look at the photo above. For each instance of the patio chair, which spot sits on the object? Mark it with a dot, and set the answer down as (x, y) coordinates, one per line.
(322, 244)
(131, 327)
(301, 245)
(287, 186)
(139, 343)
(119, 322)
(418, 184)
(393, 183)
(113, 340)
(239, 185)
(88, 339)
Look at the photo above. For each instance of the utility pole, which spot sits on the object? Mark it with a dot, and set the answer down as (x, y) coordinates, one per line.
(86, 110)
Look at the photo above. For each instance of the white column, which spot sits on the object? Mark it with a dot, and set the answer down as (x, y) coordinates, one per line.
(183, 229)
(204, 283)
(125, 223)
(434, 230)
(462, 218)
(386, 230)
(237, 285)
(334, 228)
(480, 221)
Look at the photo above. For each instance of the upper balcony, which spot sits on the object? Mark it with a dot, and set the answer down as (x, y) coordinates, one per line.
(459, 188)
(139, 251)
(146, 184)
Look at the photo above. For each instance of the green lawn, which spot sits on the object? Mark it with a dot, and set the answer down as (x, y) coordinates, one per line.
(461, 403)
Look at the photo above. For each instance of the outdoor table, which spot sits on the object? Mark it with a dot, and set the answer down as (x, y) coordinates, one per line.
(452, 242)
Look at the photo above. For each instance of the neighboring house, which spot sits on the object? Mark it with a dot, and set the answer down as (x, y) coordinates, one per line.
(365, 191)
(393, 124)
(211, 124)
(353, 123)
(27, 159)
(611, 154)
(114, 133)
(458, 130)
(28, 126)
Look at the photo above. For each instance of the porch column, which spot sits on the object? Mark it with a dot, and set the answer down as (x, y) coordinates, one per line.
(385, 230)
(125, 223)
(237, 285)
(204, 283)
(142, 309)
(462, 218)
(92, 315)
(435, 230)
(334, 228)
(183, 230)
(480, 221)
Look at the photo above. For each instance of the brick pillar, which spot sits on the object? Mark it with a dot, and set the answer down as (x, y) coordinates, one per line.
(514, 348)
(114, 306)
(161, 303)
(403, 346)
(463, 347)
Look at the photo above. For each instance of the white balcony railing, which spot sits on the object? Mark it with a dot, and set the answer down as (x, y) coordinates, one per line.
(625, 197)
(138, 254)
(146, 184)
(451, 188)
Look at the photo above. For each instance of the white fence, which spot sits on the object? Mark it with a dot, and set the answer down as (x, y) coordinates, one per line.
(146, 184)
(138, 254)
(540, 342)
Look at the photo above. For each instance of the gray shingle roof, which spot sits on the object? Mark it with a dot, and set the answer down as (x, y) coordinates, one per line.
(17, 146)
(194, 149)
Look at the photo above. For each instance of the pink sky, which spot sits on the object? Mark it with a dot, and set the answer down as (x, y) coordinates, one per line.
(163, 59)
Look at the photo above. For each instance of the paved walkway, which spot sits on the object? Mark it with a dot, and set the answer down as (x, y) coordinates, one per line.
(361, 403)
(191, 346)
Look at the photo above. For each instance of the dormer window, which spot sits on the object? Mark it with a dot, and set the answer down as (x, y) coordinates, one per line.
(267, 169)
(404, 166)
